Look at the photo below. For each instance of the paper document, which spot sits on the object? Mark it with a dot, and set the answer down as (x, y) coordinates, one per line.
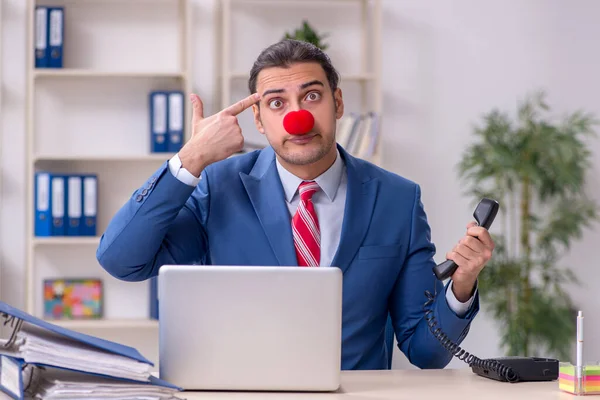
(53, 383)
(39, 346)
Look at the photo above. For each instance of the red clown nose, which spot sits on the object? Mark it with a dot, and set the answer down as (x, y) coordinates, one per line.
(298, 122)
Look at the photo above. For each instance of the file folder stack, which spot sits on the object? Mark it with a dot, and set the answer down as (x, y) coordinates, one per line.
(65, 205)
(166, 121)
(43, 360)
(49, 33)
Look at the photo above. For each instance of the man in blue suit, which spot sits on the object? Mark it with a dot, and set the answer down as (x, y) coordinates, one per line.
(205, 207)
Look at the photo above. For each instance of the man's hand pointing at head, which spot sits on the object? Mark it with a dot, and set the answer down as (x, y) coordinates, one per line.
(213, 138)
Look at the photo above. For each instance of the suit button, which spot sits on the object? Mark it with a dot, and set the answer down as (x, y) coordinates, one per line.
(144, 192)
(153, 179)
(139, 197)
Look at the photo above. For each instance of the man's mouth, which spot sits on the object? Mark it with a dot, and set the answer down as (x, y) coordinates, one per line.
(303, 139)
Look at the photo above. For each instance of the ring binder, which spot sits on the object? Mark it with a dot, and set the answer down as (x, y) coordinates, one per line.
(17, 322)
(40, 358)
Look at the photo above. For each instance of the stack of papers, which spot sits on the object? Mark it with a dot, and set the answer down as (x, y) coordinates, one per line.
(62, 384)
(44, 347)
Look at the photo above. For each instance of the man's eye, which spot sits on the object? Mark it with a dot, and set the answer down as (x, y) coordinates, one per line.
(313, 96)
(275, 103)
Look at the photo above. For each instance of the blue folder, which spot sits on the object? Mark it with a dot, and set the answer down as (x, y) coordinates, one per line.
(55, 36)
(89, 208)
(159, 119)
(58, 204)
(74, 205)
(41, 47)
(20, 378)
(102, 344)
(43, 204)
(176, 118)
(15, 318)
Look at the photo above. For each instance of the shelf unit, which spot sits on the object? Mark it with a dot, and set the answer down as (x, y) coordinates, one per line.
(353, 26)
(91, 116)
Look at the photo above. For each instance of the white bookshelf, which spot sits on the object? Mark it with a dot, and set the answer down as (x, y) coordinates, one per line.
(92, 116)
(354, 39)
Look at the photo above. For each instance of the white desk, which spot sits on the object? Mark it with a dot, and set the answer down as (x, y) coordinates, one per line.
(448, 384)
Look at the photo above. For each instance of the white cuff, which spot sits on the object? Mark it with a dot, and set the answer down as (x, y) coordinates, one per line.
(458, 307)
(182, 174)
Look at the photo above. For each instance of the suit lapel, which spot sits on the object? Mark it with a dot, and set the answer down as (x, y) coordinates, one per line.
(266, 194)
(360, 201)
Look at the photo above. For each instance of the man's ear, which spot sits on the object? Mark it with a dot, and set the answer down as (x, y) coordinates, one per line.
(339, 103)
(257, 121)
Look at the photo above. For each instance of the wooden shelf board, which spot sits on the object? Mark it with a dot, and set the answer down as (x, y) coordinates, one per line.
(123, 158)
(90, 73)
(343, 77)
(106, 323)
(66, 240)
(296, 3)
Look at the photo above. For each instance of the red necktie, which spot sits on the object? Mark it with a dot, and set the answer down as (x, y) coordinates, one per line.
(305, 226)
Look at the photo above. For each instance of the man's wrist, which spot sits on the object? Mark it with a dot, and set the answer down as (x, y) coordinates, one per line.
(182, 174)
(463, 291)
(193, 163)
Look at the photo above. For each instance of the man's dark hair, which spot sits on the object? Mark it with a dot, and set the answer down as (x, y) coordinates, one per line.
(288, 52)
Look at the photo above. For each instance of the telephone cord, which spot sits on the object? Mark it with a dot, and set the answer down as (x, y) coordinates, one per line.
(491, 365)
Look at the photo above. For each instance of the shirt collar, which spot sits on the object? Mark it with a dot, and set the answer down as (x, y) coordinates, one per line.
(328, 181)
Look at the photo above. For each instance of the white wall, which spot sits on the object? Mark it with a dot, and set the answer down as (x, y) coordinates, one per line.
(445, 63)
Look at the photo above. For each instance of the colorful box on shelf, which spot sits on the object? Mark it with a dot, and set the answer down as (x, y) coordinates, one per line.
(567, 379)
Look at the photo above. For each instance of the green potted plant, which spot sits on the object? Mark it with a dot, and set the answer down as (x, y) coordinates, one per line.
(308, 34)
(535, 166)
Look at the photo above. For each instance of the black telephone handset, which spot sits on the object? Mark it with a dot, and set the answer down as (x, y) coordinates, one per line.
(507, 369)
(484, 214)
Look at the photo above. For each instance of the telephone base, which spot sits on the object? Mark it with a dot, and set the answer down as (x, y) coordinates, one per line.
(528, 369)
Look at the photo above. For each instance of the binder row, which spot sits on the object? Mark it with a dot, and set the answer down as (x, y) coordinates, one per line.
(166, 121)
(65, 205)
(49, 33)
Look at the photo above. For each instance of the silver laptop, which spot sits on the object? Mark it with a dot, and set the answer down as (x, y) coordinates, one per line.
(250, 328)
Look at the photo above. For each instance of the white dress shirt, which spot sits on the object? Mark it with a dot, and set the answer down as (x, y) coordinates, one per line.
(329, 203)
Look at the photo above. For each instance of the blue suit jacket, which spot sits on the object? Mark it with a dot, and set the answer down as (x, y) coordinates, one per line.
(237, 215)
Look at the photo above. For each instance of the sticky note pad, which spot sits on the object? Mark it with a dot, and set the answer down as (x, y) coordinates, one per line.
(567, 379)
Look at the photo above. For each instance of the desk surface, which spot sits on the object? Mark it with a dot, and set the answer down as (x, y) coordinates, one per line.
(447, 384)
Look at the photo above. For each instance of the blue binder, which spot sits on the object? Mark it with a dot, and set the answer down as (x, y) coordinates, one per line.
(21, 379)
(41, 47)
(74, 205)
(89, 199)
(58, 204)
(159, 117)
(12, 369)
(42, 204)
(176, 118)
(18, 317)
(14, 319)
(55, 36)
